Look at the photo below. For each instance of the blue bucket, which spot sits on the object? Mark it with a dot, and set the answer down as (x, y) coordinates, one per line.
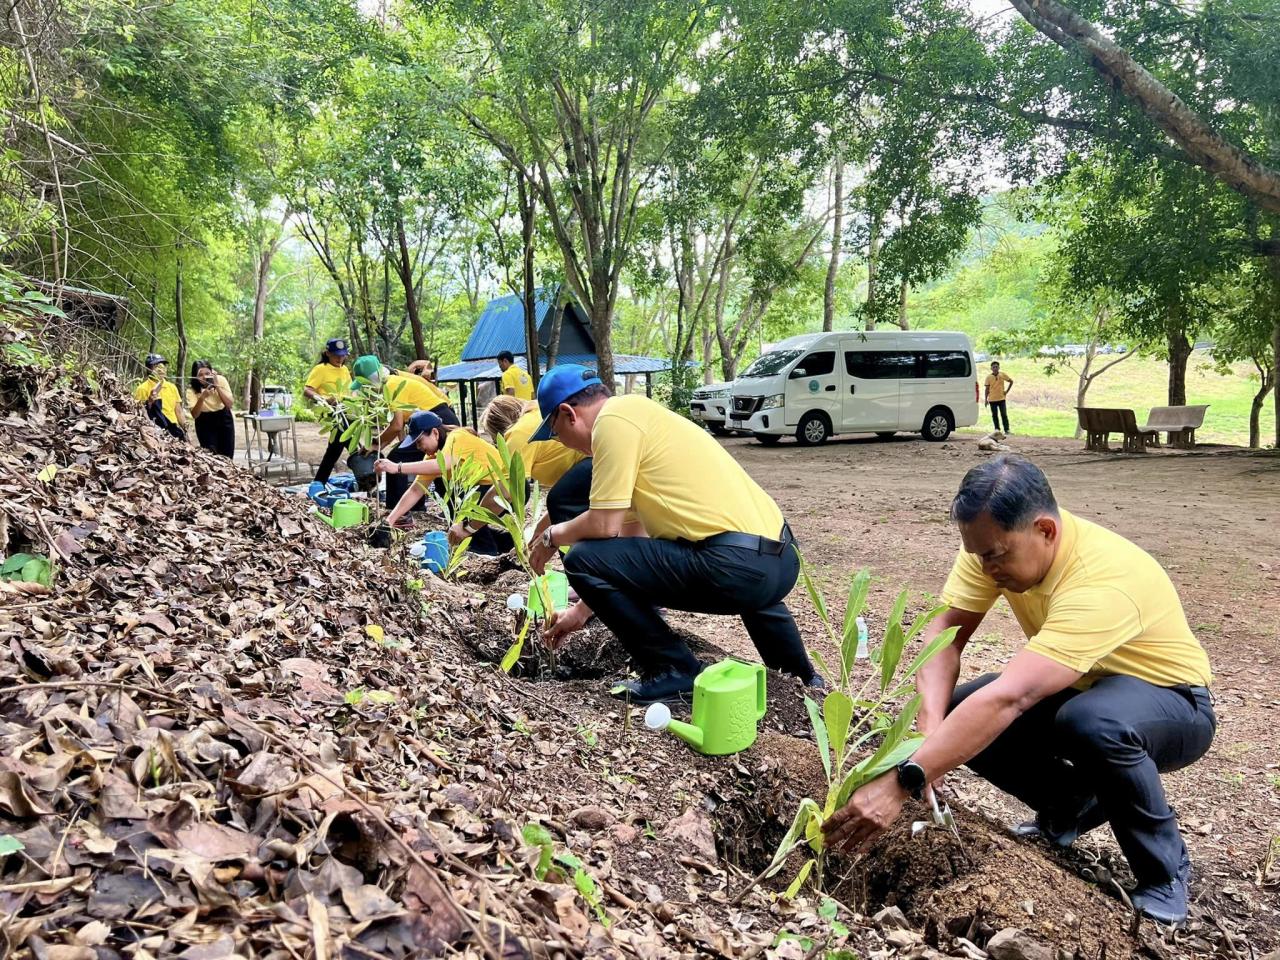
(435, 556)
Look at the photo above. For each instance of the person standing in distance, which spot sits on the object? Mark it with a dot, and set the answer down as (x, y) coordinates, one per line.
(329, 382)
(717, 542)
(996, 395)
(515, 382)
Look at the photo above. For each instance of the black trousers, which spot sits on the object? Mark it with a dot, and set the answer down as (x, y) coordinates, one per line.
(1110, 742)
(398, 483)
(999, 409)
(217, 432)
(155, 410)
(570, 496)
(332, 454)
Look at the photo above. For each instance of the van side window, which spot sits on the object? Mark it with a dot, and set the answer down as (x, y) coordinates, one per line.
(942, 364)
(879, 364)
(818, 364)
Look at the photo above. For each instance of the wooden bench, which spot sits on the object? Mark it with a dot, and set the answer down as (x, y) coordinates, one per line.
(1180, 423)
(1098, 423)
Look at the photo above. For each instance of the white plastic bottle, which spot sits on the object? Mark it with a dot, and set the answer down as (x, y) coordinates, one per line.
(862, 653)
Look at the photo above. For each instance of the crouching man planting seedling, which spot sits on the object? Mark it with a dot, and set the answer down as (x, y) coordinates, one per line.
(717, 542)
(1111, 690)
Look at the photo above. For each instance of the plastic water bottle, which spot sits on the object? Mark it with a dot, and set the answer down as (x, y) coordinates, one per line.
(861, 653)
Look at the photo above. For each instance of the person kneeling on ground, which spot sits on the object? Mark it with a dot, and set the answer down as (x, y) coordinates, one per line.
(159, 397)
(406, 393)
(717, 542)
(210, 400)
(458, 445)
(1111, 690)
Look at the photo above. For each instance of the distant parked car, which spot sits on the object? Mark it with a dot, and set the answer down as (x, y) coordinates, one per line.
(276, 397)
(710, 406)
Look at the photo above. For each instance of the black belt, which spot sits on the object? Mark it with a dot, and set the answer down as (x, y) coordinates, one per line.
(749, 541)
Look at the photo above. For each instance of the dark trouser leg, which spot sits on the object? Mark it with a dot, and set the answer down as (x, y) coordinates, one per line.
(225, 442)
(332, 453)
(626, 580)
(1021, 760)
(398, 483)
(571, 495)
(1000, 411)
(1121, 734)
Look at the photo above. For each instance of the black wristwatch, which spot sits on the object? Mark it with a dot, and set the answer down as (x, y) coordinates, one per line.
(911, 778)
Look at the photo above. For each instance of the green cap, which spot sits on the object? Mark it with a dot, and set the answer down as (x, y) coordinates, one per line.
(366, 367)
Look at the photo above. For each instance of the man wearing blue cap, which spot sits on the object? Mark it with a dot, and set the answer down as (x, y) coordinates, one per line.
(717, 542)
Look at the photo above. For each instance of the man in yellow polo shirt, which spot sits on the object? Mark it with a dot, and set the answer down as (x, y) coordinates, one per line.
(717, 543)
(160, 397)
(1110, 691)
(995, 394)
(514, 380)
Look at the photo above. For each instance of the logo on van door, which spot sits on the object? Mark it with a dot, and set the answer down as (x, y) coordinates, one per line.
(813, 386)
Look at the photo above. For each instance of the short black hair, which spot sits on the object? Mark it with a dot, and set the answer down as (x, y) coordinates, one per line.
(1011, 489)
(506, 355)
(587, 394)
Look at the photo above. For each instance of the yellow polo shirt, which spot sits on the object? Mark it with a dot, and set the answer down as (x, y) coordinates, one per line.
(996, 384)
(329, 381)
(515, 379)
(674, 475)
(1106, 607)
(406, 392)
(168, 397)
(545, 461)
(461, 444)
(214, 404)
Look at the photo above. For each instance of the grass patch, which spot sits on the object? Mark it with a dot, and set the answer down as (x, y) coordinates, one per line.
(1043, 405)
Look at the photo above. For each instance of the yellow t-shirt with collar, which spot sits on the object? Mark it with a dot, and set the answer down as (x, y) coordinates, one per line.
(329, 381)
(407, 392)
(214, 403)
(545, 461)
(168, 397)
(996, 384)
(519, 382)
(680, 482)
(1106, 607)
(462, 444)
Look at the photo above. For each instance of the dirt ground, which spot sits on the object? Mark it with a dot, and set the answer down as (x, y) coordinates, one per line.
(1210, 516)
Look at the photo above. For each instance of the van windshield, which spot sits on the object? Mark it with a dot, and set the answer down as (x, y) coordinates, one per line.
(769, 364)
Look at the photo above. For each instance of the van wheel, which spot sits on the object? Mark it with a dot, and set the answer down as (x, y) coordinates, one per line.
(938, 424)
(886, 434)
(813, 430)
(768, 439)
(719, 430)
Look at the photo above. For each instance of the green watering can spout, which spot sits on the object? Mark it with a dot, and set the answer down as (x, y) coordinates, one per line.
(728, 701)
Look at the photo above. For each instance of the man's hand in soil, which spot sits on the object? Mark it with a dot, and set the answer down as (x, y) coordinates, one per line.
(561, 625)
(539, 555)
(870, 811)
(457, 533)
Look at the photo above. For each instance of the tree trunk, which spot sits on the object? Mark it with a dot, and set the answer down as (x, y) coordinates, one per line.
(1179, 353)
(553, 340)
(1082, 384)
(528, 213)
(1267, 379)
(180, 323)
(837, 235)
(262, 274)
(902, 305)
(404, 267)
(1274, 264)
(151, 316)
(873, 255)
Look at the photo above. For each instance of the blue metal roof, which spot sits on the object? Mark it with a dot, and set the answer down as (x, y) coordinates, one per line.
(501, 326)
(623, 364)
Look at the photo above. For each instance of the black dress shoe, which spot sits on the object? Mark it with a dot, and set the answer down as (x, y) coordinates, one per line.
(668, 685)
(1062, 832)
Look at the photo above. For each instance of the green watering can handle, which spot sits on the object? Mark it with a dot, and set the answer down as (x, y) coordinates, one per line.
(761, 707)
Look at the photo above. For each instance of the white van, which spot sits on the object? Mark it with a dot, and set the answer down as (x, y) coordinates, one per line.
(819, 384)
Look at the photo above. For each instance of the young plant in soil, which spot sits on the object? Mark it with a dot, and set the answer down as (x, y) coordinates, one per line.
(854, 711)
(516, 497)
(461, 483)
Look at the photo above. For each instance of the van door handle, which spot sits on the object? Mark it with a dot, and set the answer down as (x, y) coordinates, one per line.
(853, 388)
(831, 389)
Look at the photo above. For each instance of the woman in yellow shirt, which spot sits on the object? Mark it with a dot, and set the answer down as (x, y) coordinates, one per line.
(329, 382)
(459, 446)
(209, 398)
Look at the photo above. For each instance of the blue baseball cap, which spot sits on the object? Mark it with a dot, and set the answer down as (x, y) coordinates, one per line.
(337, 346)
(420, 423)
(559, 384)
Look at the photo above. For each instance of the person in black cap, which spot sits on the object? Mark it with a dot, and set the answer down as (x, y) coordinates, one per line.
(717, 542)
(329, 382)
(160, 398)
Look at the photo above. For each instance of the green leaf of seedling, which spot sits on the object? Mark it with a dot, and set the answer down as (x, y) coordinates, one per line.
(932, 649)
(794, 888)
(837, 710)
(828, 908)
(815, 596)
(894, 642)
(512, 656)
(536, 835)
(16, 563)
(820, 663)
(858, 588)
(840, 930)
(807, 811)
(354, 697)
(924, 619)
(9, 844)
(805, 943)
(895, 748)
(820, 734)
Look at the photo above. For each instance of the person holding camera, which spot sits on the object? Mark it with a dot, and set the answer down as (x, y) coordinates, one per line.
(160, 398)
(329, 382)
(209, 398)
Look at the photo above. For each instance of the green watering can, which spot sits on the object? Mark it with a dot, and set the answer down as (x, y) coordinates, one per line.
(347, 513)
(728, 700)
(557, 588)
